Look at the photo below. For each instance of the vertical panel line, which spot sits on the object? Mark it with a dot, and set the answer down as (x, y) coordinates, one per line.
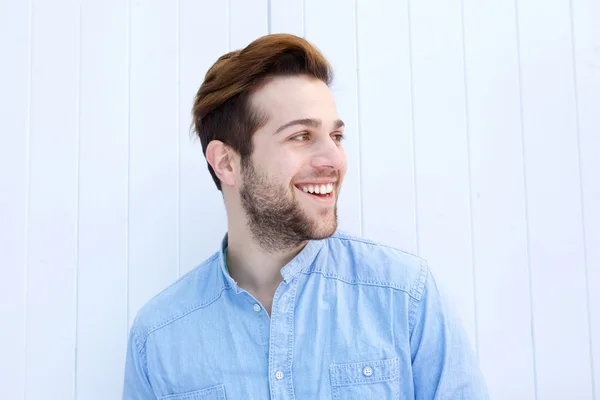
(228, 20)
(77, 195)
(269, 17)
(526, 199)
(178, 127)
(128, 232)
(27, 192)
(304, 19)
(582, 205)
(412, 127)
(470, 174)
(359, 128)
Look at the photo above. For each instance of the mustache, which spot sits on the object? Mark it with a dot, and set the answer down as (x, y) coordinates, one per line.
(324, 175)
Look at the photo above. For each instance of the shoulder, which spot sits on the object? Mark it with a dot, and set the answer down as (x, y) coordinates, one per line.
(195, 290)
(357, 260)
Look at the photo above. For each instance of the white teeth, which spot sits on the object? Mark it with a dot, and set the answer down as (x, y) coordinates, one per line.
(318, 189)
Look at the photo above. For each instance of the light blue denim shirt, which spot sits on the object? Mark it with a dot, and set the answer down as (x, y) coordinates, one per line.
(352, 319)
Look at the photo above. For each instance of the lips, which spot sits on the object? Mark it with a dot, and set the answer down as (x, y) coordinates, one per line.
(319, 198)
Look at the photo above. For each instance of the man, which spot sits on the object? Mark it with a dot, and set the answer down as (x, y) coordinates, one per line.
(289, 307)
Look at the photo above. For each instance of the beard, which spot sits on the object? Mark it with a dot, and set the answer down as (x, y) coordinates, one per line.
(275, 217)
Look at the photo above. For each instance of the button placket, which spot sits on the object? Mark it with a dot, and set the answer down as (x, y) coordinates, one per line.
(281, 341)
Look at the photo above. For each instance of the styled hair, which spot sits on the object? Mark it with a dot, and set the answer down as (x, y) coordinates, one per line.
(222, 108)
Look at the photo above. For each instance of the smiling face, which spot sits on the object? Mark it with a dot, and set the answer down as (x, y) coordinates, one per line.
(290, 184)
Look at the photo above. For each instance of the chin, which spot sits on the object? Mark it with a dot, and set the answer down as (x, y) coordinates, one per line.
(323, 229)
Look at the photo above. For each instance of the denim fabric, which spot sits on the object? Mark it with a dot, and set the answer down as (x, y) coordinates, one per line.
(352, 319)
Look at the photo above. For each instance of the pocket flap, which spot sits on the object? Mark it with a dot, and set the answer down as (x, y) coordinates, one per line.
(359, 373)
(212, 393)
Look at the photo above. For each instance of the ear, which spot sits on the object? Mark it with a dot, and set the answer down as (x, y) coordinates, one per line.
(222, 160)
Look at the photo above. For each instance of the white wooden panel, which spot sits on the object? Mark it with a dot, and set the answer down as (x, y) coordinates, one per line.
(153, 153)
(335, 37)
(498, 199)
(145, 194)
(102, 284)
(586, 30)
(248, 20)
(287, 16)
(14, 102)
(52, 224)
(560, 323)
(385, 121)
(202, 211)
(441, 150)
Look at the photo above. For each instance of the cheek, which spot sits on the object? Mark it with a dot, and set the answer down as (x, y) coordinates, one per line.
(281, 176)
(287, 168)
(282, 167)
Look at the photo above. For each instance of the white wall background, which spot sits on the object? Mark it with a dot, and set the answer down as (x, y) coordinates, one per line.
(474, 136)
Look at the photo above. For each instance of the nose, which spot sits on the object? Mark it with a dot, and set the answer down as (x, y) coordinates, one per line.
(328, 154)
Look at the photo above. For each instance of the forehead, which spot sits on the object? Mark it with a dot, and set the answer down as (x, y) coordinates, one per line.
(286, 98)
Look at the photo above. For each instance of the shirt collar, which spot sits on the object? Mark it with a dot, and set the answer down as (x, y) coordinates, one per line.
(225, 271)
(301, 262)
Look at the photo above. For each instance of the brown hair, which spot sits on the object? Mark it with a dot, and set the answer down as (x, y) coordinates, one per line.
(222, 110)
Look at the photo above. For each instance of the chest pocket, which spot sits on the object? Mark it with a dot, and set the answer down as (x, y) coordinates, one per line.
(212, 393)
(366, 380)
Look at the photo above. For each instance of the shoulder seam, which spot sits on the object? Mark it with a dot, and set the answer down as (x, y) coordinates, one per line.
(346, 236)
(140, 348)
(193, 270)
(418, 288)
(365, 282)
(144, 333)
(175, 317)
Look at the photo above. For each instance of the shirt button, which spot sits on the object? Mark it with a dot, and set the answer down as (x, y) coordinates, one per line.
(368, 371)
(279, 375)
(256, 308)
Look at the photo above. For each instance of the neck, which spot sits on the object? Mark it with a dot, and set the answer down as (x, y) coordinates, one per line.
(254, 268)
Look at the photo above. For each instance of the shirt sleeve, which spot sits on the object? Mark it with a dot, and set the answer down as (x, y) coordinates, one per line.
(136, 385)
(443, 361)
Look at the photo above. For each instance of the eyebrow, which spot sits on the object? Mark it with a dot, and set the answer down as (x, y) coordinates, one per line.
(310, 122)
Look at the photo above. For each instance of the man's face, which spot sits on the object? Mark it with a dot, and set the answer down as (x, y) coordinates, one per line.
(290, 185)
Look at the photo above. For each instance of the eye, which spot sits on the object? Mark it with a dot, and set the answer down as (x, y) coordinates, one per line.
(338, 137)
(303, 137)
